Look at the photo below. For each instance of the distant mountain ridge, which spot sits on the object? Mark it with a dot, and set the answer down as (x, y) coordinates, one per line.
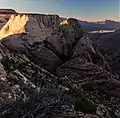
(103, 25)
(88, 26)
(99, 25)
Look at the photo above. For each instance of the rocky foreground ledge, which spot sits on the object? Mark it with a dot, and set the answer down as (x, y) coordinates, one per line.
(63, 76)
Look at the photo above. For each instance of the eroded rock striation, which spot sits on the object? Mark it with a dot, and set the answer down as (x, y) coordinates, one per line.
(62, 76)
(47, 20)
(39, 26)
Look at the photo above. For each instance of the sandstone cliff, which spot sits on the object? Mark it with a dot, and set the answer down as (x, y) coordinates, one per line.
(47, 20)
(39, 26)
(63, 76)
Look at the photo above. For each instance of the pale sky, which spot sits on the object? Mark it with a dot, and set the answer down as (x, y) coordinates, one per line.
(90, 10)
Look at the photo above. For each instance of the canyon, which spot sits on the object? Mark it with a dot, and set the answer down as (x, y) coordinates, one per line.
(54, 68)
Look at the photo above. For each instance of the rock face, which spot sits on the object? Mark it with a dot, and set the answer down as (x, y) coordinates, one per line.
(15, 25)
(14, 43)
(83, 46)
(7, 11)
(62, 76)
(64, 38)
(37, 30)
(45, 58)
(39, 26)
(47, 20)
(109, 47)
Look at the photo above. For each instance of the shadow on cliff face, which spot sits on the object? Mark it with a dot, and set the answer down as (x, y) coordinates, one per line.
(78, 65)
(108, 44)
(64, 38)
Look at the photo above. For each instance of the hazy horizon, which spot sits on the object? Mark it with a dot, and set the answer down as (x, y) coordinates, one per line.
(88, 10)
